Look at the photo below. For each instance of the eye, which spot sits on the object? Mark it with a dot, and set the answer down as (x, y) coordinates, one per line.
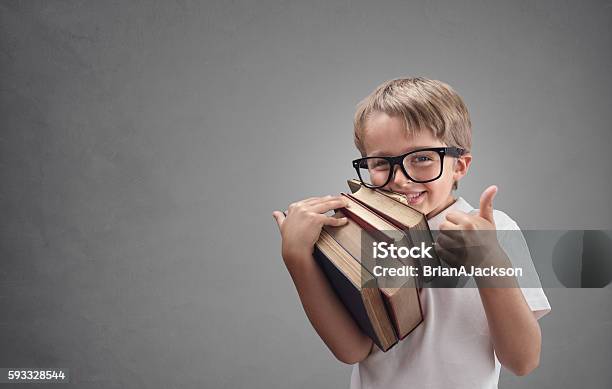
(378, 164)
(420, 159)
(423, 159)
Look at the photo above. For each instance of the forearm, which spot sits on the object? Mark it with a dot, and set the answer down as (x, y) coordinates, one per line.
(326, 313)
(472, 239)
(514, 330)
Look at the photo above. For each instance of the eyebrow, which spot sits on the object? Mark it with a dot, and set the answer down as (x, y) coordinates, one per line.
(378, 153)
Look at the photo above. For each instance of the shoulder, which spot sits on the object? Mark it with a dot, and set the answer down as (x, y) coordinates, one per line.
(503, 221)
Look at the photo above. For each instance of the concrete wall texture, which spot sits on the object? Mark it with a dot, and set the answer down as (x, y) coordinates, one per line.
(144, 146)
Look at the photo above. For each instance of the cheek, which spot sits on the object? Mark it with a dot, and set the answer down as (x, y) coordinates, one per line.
(434, 188)
(441, 187)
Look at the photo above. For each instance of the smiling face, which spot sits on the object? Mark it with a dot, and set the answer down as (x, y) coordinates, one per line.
(385, 135)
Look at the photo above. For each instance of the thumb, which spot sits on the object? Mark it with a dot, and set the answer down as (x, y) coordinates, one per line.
(486, 203)
(279, 217)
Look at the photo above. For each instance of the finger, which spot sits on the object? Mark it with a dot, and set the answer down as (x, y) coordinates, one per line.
(486, 203)
(279, 217)
(451, 240)
(449, 226)
(335, 222)
(313, 200)
(309, 200)
(304, 202)
(458, 218)
(448, 241)
(316, 200)
(329, 205)
(446, 255)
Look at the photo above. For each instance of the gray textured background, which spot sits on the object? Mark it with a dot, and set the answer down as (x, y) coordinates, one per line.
(144, 145)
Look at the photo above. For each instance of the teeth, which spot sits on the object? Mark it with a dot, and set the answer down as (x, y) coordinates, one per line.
(413, 195)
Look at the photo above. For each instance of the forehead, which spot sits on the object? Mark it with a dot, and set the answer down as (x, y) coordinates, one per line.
(387, 135)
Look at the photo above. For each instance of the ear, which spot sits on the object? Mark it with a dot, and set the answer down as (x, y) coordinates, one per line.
(461, 166)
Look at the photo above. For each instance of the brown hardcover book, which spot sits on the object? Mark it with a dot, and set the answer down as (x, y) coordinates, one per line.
(400, 294)
(357, 290)
(384, 308)
(394, 208)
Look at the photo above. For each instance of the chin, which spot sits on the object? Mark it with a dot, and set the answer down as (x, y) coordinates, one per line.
(423, 208)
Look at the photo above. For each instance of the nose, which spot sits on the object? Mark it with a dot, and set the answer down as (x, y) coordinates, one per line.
(398, 177)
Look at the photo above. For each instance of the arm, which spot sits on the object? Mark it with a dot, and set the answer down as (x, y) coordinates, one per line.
(515, 332)
(326, 313)
(300, 230)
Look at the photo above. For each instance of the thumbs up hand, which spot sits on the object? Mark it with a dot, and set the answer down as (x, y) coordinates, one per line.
(486, 204)
(470, 239)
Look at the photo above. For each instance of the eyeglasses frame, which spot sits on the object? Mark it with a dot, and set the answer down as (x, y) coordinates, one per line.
(399, 160)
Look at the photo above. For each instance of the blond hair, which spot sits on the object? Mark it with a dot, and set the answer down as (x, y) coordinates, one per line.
(422, 104)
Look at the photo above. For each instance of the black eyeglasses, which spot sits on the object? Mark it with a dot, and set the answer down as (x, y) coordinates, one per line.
(421, 166)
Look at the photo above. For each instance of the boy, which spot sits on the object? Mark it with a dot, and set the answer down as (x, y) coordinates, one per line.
(467, 333)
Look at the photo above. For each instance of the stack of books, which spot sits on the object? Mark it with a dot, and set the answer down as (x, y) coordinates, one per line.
(387, 309)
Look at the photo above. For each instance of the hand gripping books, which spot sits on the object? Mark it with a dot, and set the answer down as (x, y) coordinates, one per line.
(386, 309)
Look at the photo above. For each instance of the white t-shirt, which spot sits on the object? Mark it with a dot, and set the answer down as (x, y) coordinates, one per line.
(452, 347)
